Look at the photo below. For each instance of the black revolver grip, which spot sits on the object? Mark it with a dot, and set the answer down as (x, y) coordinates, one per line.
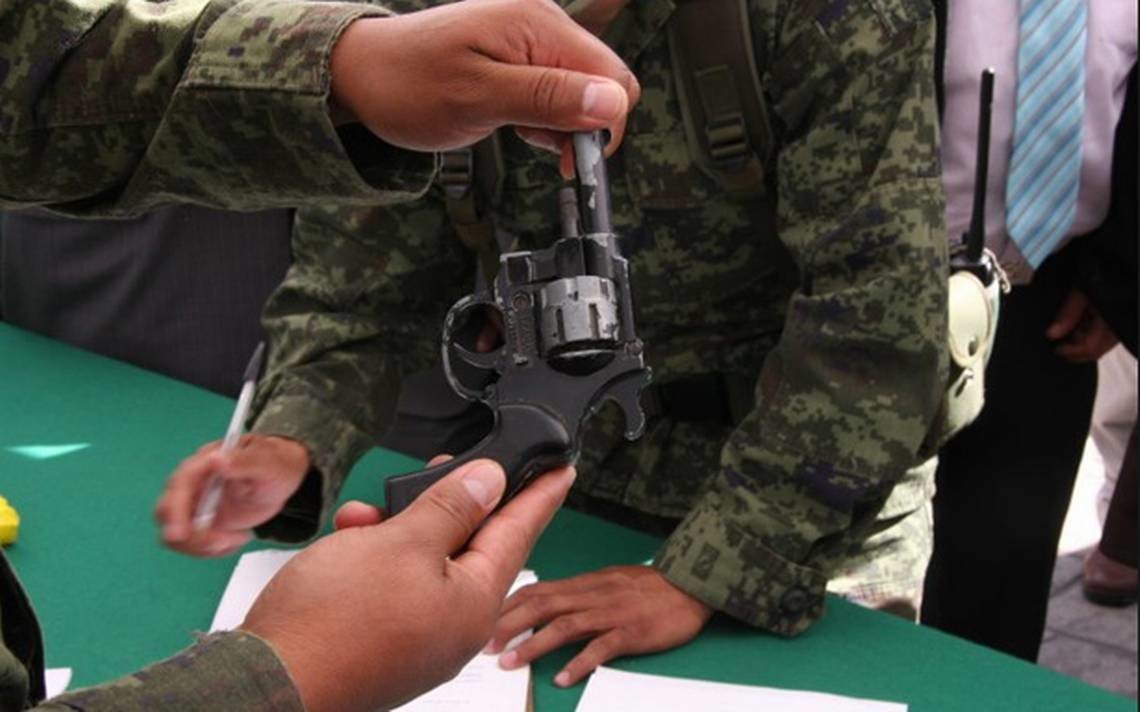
(526, 440)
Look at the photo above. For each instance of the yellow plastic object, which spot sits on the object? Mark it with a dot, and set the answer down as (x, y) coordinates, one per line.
(9, 523)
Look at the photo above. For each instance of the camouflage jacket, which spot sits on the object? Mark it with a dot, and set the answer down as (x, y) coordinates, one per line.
(831, 290)
(109, 107)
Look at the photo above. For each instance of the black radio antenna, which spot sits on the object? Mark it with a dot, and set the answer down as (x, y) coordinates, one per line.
(975, 236)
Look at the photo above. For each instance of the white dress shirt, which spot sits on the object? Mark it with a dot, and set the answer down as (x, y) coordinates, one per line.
(984, 33)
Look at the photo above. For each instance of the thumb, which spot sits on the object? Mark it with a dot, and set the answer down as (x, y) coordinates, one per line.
(1068, 316)
(560, 99)
(448, 513)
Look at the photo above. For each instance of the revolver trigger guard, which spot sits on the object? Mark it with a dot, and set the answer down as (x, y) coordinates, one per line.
(451, 324)
(453, 320)
(490, 361)
(626, 392)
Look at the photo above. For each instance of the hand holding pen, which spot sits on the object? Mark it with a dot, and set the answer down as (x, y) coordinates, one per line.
(215, 498)
(208, 504)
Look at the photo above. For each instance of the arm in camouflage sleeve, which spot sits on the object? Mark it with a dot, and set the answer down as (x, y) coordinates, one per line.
(361, 306)
(321, 637)
(239, 668)
(115, 106)
(850, 391)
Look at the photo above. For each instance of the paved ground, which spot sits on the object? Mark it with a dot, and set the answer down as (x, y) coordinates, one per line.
(1093, 643)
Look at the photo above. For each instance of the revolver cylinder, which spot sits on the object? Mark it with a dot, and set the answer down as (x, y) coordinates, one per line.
(579, 314)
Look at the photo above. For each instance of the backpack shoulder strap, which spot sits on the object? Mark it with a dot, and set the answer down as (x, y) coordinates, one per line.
(722, 103)
(471, 179)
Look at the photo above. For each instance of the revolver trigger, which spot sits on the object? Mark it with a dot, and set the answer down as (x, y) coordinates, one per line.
(489, 361)
(626, 392)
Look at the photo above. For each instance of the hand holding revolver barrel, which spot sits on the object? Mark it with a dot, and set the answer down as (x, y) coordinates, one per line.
(488, 63)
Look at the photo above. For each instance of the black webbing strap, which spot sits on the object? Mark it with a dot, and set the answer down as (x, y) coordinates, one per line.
(471, 180)
(707, 397)
(719, 90)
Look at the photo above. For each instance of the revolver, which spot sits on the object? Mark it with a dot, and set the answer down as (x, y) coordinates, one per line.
(568, 342)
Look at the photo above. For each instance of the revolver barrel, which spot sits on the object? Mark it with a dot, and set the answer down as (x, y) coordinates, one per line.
(593, 183)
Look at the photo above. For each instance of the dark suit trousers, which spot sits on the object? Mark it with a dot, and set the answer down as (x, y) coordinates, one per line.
(1004, 483)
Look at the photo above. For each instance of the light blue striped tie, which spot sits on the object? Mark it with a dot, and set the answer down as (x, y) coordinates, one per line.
(1045, 167)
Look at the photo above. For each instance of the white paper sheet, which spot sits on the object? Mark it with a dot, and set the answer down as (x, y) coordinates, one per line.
(480, 687)
(616, 691)
(56, 681)
(252, 572)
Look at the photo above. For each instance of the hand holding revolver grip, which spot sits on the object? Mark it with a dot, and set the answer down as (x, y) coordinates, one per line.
(526, 440)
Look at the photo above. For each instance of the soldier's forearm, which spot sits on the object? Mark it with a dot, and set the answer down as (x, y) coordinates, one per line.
(113, 107)
(231, 671)
(849, 393)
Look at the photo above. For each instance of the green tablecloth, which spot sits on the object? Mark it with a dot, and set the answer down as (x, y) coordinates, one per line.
(86, 444)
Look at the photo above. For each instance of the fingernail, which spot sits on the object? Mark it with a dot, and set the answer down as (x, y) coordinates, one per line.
(490, 648)
(509, 660)
(602, 100)
(544, 141)
(484, 483)
(562, 679)
(173, 532)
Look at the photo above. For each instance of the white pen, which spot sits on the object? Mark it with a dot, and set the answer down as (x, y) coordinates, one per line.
(208, 505)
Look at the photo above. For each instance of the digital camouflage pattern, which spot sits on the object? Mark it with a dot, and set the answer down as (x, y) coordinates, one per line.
(832, 289)
(227, 671)
(110, 107)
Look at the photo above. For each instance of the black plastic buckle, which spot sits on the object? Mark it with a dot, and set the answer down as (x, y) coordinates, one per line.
(456, 172)
(729, 147)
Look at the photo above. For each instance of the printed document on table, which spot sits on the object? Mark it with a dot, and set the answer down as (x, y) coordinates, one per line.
(482, 686)
(612, 690)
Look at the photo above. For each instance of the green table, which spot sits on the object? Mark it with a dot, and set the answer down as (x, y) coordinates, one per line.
(86, 444)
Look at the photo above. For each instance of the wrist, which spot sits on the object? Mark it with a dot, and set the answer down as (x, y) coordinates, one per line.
(342, 58)
(304, 670)
(699, 608)
(696, 606)
(353, 59)
(293, 454)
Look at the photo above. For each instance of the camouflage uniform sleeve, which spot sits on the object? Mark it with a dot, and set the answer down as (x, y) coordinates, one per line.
(111, 107)
(231, 671)
(846, 398)
(361, 306)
